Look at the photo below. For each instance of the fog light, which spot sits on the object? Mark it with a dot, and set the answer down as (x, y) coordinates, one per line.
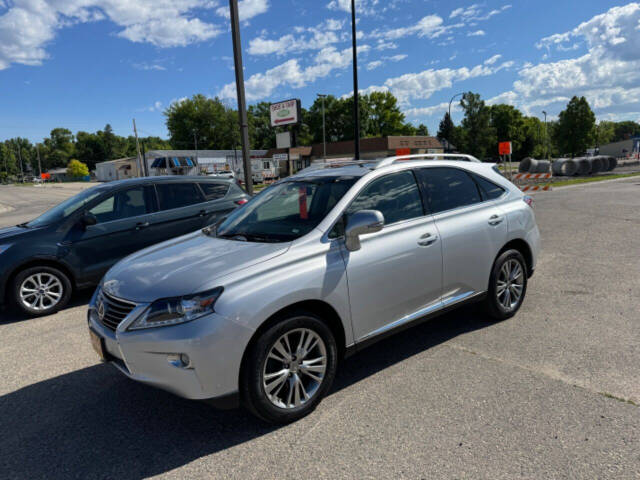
(179, 360)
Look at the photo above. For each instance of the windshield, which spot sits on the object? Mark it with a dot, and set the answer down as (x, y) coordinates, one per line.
(65, 208)
(286, 211)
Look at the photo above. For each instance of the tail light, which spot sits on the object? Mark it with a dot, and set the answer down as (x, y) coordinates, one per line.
(528, 200)
(242, 201)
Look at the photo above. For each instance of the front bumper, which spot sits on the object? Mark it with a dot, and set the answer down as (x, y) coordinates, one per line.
(214, 344)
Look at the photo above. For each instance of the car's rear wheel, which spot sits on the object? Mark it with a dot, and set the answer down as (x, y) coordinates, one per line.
(507, 285)
(39, 291)
(289, 369)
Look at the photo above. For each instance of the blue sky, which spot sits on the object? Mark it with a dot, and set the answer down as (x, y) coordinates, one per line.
(83, 63)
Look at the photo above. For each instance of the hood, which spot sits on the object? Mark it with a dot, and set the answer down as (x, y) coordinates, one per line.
(184, 265)
(9, 233)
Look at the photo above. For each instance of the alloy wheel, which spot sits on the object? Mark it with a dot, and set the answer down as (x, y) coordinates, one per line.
(41, 291)
(510, 284)
(294, 368)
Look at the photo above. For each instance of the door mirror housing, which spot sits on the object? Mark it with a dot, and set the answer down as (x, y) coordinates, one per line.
(362, 223)
(88, 219)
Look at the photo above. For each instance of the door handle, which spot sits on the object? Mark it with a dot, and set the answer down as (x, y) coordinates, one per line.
(141, 225)
(495, 220)
(427, 239)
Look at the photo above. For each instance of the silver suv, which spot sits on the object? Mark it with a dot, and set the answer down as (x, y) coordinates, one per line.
(259, 308)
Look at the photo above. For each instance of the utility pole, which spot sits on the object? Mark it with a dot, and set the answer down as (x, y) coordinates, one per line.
(39, 164)
(21, 169)
(545, 134)
(324, 130)
(140, 166)
(242, 104)
(144, 161)
(195, 141)
(356, 96)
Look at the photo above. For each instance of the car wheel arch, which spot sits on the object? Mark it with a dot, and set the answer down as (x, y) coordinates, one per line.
(324, 310)
(525, 250)
(40, 262)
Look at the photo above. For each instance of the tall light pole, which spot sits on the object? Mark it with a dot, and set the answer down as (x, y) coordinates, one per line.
(242, 104)
(324, 129)
(450, 102)
(356, 97)
(195, 142)
(545, 133)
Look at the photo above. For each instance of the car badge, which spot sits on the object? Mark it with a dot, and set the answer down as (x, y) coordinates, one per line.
(101, 310)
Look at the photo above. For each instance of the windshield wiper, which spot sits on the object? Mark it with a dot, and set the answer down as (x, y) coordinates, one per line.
(249, 237)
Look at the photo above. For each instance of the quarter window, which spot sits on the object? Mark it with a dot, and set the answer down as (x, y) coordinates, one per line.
(176, 195)
(214, 191)
(448, 188)
(396, 196)
(489, 190)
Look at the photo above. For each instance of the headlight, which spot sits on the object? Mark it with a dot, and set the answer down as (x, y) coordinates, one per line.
(172, 311)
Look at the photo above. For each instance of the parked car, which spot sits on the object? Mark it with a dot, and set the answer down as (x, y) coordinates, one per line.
(259, 309)
(72, 245)
(222, 174)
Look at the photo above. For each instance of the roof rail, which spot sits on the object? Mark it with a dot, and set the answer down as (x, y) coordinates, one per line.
(425, 156)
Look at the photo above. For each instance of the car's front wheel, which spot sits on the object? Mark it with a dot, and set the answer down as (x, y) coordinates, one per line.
(289, 369)
(507, 285)
(39, 291)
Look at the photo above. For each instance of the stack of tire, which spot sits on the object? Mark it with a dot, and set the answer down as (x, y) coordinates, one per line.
(569, 167)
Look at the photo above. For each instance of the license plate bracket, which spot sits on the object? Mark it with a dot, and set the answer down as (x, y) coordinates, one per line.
(97, 342)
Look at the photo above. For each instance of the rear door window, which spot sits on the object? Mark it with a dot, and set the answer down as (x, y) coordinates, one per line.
(395, 195)
(448, 188)
(176, 195)
(214, 191)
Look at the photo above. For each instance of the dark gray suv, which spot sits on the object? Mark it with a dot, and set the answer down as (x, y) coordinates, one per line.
(73, 244)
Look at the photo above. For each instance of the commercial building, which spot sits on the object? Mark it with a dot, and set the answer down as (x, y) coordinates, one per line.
(119, 169)
(297, 158)
(624, 148)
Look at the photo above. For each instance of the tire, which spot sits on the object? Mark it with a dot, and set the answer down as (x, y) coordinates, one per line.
(54, 297)
(498, 306)
(283, 388)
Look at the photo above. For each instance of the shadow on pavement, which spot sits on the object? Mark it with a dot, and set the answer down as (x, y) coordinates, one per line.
(11, 315)
(95, 423)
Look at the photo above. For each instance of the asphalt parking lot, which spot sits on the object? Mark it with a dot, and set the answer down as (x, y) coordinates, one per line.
(551, 393)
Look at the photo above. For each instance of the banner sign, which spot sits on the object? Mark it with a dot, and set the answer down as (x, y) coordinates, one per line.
(285, 113)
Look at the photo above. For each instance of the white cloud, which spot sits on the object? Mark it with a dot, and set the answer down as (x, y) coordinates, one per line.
(375, 64)
(473, 13)
(492, 60)
(608, 75)
(292, 74)
(477, 33)
(382, 45)
(246, 8)
(148, 66)
(439, 109)
(422, 85)
(363, 7)
(397, 58)
(312, 38)
(27, 26)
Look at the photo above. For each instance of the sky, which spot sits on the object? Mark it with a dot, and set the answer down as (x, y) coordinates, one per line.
(81, 64)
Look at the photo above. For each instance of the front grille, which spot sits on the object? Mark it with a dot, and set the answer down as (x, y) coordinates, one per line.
(115, 310)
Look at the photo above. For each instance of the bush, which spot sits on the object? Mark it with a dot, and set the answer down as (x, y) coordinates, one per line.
(77, 169)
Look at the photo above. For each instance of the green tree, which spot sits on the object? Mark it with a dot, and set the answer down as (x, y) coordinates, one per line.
(384, 116)
(575, 129)
(423, 130)
(605, 132)
(445, 129)
(261, 134)
(214, 124)
(479, 136)
(77, 169)
(626, 129)
(507, 121)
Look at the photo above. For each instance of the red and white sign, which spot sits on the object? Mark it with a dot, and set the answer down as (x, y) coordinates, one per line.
(285, 113)
(504, 148)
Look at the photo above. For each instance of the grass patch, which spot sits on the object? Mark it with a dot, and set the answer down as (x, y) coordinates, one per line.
(576, 181)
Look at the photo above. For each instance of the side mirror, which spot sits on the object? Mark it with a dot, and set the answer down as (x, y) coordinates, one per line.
(88, 219)
(361, 223)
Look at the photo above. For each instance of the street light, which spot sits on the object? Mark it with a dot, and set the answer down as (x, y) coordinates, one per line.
(450, 102)
(356, 108)
(195, 141)
(545, 133)
(324, 131)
